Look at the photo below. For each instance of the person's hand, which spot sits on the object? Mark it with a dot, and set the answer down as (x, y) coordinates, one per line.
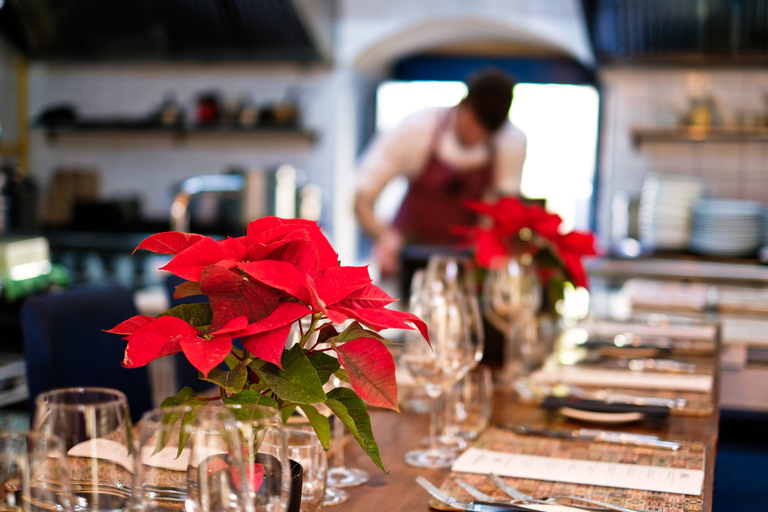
(386, 252)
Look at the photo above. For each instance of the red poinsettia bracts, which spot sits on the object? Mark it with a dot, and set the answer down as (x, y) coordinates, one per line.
(257, 286)
(150, 338)
(509, 218)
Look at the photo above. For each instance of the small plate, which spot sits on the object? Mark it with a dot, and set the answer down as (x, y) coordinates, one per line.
(601, 417)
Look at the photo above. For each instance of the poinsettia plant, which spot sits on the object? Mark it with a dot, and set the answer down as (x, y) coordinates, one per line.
(528, 231)
(282, 272)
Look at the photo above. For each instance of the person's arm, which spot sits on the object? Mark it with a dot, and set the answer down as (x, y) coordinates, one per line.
(397, 153)
(510, 159)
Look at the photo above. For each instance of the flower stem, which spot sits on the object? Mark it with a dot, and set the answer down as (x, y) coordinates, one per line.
(207, 398)
(305, 336)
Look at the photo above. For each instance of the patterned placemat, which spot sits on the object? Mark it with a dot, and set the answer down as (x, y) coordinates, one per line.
(690, 456)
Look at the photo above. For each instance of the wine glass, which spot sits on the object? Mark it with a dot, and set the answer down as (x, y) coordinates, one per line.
(453, 353)
(457, 273)
(95, 427)
(511, 297)
(33, 472)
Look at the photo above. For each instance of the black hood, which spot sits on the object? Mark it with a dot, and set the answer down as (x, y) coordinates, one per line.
(108, 30)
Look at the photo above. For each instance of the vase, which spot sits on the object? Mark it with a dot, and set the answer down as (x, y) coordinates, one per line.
(512, 299)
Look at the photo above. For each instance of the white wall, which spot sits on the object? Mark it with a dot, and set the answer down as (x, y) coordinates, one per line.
(649, 97)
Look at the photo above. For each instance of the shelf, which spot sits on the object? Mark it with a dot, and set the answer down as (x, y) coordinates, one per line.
(733, 134)
(178, 132)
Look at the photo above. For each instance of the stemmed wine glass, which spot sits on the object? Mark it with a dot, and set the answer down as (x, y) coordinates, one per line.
(440, 303)
(511, 298)
(457, 273)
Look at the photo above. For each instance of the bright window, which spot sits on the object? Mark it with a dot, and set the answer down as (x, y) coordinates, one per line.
(560, 122)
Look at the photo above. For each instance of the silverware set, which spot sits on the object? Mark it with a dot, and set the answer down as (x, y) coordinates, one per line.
(519, 499)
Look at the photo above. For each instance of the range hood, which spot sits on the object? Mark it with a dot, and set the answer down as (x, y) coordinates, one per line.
(141, 30)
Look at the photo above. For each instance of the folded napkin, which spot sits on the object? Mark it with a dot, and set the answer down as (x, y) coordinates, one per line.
(609, 329)
(167, 458)
(596, 377)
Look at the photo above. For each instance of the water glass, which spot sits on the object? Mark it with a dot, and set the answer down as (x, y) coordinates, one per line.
(269, 473)
(304, 447)
(95, 427)
(33, 472)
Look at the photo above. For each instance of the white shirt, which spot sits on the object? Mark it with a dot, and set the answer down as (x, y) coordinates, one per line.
(405, 150)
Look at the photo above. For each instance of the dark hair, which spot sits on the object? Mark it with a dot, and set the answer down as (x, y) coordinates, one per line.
(490, 97)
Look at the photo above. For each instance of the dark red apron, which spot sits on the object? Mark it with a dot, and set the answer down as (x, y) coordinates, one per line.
(433, 204)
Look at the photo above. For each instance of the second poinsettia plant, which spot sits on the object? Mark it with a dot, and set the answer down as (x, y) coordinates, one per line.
(282, 272)
(529, 231)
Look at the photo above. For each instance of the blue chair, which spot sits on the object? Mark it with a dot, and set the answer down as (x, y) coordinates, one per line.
(65, 346)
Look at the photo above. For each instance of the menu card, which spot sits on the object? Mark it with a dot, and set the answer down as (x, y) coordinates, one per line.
(609, 474)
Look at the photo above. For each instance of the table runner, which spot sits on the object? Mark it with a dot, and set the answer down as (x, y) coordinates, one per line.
(690, 456)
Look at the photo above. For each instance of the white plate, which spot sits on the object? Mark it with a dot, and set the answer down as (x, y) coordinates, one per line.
(601, 417)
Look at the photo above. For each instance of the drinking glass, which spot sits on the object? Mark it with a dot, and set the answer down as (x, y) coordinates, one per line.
(304, 447)
(95, 427)
(459, 274)
(470, 404)
(440, 304)
(33, 472)
(160, 477)
(271, 471)
(191, 458)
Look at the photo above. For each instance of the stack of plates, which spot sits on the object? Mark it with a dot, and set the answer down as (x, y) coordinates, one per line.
(664, 220)
(727, 227)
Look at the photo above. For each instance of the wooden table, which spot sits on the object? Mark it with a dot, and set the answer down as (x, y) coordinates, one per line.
(399, 433)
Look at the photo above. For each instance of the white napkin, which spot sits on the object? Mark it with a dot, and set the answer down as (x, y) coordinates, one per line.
(117, 452)
(598, 377)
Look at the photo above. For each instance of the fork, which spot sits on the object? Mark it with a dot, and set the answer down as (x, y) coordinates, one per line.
(519, 495)
(474, 506)
(480, 495)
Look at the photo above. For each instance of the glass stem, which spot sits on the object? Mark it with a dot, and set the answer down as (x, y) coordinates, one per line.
(338, 442)
(434, 420)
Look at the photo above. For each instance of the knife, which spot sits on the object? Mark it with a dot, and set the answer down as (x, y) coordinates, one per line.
(605, 436)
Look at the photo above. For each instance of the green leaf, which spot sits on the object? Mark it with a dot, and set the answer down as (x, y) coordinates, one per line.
(355, 331)
(185, 396)
(351, 410)
(233, 380)
(287, 413)
(249, 397)
(342, 375)
(297, 381)
(324, 364)
(187, 422)
(319, 422)
(199, 315)
(231, 361)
